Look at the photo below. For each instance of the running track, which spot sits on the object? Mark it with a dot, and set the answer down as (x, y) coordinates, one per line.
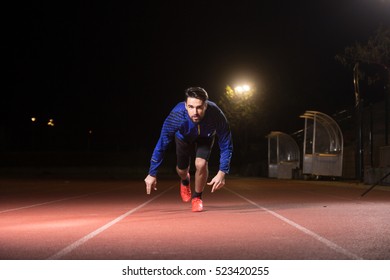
(251, 218)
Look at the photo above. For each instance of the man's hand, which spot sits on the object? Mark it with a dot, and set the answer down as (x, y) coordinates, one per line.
(150, 182)
(218, 181)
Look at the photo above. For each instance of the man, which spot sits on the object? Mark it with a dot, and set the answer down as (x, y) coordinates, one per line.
(194, 124)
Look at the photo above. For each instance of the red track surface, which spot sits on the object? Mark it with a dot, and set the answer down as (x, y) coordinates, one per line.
(248, 219)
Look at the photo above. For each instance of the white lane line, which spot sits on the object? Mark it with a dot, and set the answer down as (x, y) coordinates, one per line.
(54, 201)
(321, 239)
(43, 203)
(91, 235)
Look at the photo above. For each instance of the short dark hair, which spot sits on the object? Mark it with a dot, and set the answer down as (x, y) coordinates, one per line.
(197, 92)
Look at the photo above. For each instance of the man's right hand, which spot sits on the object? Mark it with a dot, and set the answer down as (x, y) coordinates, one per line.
(150, 182)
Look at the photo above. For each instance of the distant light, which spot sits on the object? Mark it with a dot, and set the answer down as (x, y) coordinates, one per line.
(242, 89)
(90, 132)
(33, 119)
(51, 122)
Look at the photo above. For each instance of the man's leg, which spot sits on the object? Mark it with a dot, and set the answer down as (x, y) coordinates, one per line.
(182, 172)
(185, 188)
(203, 151)
(201, 174)
(183, 154)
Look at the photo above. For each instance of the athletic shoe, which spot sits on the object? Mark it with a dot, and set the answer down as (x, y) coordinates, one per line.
(185, 191)
(197, 205)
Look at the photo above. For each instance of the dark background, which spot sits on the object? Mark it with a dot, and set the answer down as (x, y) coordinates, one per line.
(108, 73)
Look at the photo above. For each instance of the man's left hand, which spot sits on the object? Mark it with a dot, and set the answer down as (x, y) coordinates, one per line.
(218, 181)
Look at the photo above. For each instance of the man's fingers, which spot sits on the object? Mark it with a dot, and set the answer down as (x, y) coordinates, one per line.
(216, 185)
(149, 188)
(212, 183)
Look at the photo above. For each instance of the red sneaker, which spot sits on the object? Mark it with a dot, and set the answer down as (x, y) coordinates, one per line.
(185, 191)
(197, 205)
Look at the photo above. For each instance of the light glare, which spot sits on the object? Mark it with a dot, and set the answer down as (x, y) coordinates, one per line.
(51, 122)
(244, 89)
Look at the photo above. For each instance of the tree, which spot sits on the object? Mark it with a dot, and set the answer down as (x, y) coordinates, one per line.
(370, 63)
(376, 50)
(242, 111)
(239, 107)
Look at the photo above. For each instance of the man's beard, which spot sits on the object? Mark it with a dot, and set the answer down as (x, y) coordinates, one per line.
(195, 118)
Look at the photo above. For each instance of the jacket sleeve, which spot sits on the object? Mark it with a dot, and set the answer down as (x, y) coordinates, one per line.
(225, 143)
(171, 125)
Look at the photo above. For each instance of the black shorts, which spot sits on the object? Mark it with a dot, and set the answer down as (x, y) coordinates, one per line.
(201, 148)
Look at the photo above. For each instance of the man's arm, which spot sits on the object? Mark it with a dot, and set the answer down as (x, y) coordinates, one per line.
(226, 150)
(225, 144)
(171, 125)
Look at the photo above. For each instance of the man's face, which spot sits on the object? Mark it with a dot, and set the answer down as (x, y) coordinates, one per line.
(196, 109)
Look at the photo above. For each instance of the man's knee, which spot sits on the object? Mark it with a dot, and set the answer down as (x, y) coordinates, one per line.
(200, 164)
(182, 172)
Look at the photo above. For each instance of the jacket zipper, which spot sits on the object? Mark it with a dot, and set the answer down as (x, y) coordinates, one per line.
(198, 129)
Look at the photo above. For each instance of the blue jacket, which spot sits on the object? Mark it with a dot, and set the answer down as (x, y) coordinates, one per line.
(179, 123)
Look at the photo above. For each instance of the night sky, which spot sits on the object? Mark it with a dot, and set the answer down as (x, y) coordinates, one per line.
(118, 69)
